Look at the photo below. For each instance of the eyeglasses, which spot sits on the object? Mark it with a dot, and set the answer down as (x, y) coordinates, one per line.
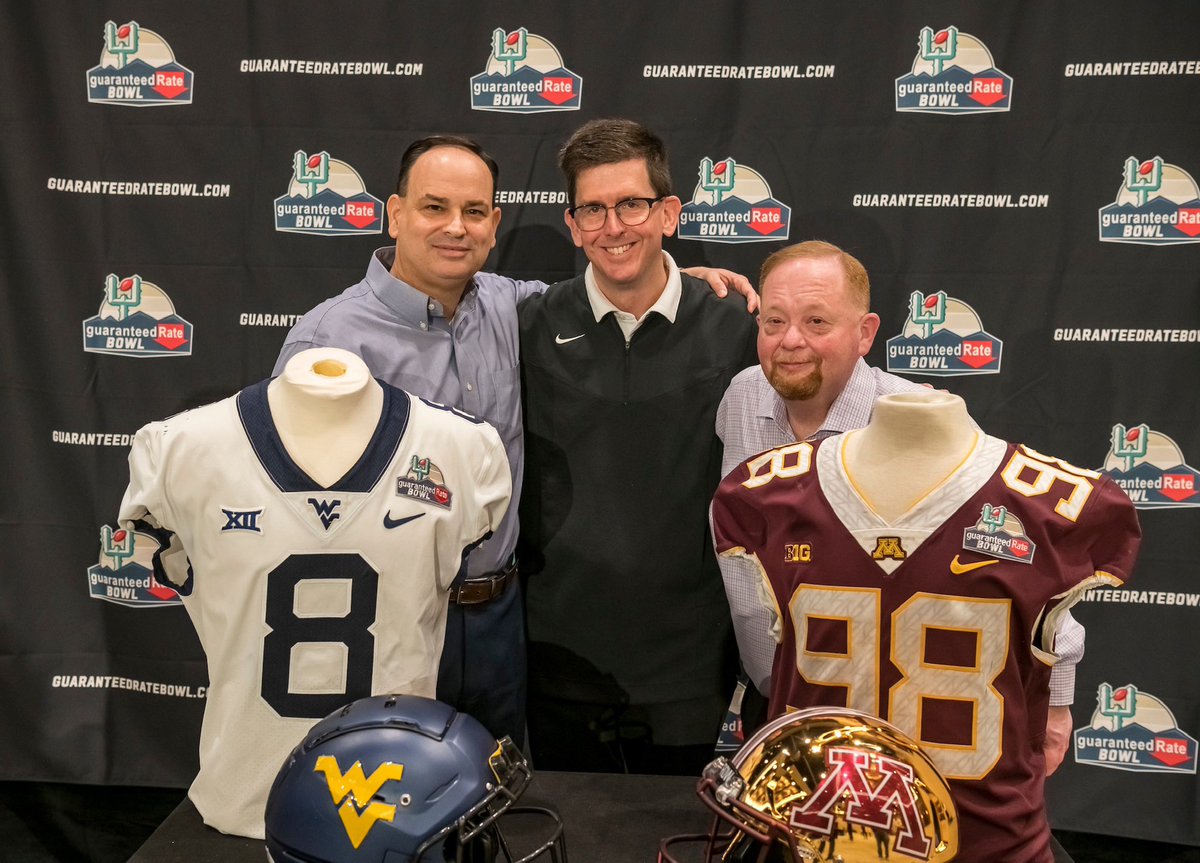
(631, 212)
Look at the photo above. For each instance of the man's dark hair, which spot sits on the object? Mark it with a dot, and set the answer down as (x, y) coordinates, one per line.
(606, 142)
(419, 147)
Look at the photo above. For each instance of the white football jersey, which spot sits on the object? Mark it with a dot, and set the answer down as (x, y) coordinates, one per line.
(307, 598)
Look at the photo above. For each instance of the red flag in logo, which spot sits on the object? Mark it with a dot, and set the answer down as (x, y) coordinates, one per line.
(765, 220)
(987, 91)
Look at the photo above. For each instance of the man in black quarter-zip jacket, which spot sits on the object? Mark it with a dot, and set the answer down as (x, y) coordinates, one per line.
(631, 653)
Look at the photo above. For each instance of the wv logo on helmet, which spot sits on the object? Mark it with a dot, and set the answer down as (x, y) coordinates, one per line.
(352, 792)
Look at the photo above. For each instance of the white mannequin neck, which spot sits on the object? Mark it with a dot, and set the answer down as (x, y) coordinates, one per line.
(326, 407)
(913, 442)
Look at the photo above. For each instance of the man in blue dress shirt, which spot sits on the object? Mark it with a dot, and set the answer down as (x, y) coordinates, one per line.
(426, 320)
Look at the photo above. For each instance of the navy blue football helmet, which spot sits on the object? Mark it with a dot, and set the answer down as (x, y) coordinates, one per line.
(401, 779)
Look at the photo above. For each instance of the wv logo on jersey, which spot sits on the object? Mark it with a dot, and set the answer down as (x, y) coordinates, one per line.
(137, 67)
(732, 203)
(1150, 467)
(1157, 205)
(125, 572)
(328, 198)
(953, 73)
(136, 319)
(326, 510)
(875, 790)
(1133, 730)
(942, 336)
(999, 533)
(525, 75)
(353, 793)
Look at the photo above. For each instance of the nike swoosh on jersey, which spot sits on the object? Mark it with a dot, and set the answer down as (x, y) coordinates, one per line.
(559, 340)
(959, 568)
(390, 522)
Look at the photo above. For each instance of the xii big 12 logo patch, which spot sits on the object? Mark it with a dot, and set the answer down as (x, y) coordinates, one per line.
(137, 67)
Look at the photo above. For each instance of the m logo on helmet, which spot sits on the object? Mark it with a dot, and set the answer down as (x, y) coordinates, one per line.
(357, 789)
(875, 789)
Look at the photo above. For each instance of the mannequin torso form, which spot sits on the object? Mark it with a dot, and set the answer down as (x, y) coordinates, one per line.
(326, 407)
(913, 442)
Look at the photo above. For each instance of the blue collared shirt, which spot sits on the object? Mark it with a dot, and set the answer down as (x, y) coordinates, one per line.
(470, 362)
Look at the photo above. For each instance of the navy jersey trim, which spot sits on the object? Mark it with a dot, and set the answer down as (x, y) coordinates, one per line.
(254, 411)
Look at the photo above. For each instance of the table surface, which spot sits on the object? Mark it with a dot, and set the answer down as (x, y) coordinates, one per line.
(608, 818)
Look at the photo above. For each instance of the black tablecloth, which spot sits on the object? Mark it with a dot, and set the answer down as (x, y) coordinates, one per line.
(609, 819)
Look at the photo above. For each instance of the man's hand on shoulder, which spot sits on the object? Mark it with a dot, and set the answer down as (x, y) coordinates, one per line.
(722, 280)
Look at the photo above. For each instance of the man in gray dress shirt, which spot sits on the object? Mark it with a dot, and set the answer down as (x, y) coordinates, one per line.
(426, 320)
(811, 383)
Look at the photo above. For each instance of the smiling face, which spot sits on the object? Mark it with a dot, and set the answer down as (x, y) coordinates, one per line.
(444, 224)
(624, 258)
(811, 331)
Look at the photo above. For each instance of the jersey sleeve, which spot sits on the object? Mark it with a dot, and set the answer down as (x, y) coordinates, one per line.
(1116, 534)
(1098, 551)
(145, 497)
(146, 506)
(490, 493)
(737, 520)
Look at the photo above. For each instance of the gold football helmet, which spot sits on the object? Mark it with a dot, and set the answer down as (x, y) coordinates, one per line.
(826, 785)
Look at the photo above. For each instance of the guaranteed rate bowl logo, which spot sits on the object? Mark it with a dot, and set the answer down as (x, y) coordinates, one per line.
(953, 73)
(136, 319)
(1149, 466)
(1133, 730)
(1157, 205)
(999, 533)
(125, 571)
(328, 198)
(942, 336)
(525, 75)
(732, 203)
(137, 67)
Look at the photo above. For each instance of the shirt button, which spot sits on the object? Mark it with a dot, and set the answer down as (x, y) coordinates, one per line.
(470, 388)
(424, 325)
(431, 307)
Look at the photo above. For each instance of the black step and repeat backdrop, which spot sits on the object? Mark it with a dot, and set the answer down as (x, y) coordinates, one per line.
(182, 180)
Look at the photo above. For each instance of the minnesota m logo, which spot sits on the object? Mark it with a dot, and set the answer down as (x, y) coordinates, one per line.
(888, 547)
(876, 791)
(357, 790)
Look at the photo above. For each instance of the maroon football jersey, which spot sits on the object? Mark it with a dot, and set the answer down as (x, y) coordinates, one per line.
(941, 621)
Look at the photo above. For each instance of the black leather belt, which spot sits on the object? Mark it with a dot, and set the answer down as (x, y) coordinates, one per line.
(484, 588)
